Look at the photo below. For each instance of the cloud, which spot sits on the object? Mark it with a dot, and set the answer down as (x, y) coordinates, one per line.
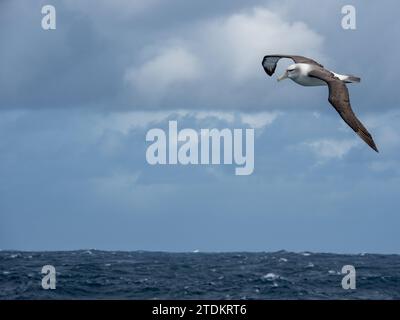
(115, 189)
(222, 116)
(106, 54)
(171, 66)
(389, 137)
(259, 120)
(385, 130)
(239, 41)
(217, 62)
(326, 149)
(84, 91)
(125, 122)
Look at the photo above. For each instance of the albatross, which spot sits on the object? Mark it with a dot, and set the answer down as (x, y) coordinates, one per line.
(308, 72)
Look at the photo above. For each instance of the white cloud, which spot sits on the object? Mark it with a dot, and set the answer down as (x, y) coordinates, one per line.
(241, 40)
(171, 66)
(259, 120)
(217, 55)
(222, 116)
(124, 122)
(326, 149)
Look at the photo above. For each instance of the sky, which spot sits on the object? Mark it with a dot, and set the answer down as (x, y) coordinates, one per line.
(76, 104)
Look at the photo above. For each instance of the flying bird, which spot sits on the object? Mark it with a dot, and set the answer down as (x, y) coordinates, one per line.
(308, 72)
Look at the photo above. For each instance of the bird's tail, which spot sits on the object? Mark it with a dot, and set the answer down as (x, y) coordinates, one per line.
(351, 79)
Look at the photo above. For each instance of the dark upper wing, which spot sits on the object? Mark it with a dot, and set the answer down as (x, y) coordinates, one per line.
(339, 99)
(269, 62)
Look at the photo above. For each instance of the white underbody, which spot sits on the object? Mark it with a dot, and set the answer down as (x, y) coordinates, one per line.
(309, 81)
(304, 80)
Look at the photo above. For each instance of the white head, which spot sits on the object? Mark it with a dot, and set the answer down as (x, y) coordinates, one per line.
(291, 72)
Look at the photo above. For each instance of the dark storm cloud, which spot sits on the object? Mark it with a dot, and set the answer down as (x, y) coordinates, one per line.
(97, 45)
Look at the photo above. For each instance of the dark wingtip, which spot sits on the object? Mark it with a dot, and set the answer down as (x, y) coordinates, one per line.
(268, 72)
(373, 146)
(367, 139)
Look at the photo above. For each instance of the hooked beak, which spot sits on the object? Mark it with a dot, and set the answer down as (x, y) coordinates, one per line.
(283, 77)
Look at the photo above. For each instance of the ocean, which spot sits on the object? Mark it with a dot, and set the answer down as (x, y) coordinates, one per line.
(93, 274)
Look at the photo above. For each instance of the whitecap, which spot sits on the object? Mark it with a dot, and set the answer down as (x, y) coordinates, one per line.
(270, 276)
(283, 260)
(333, 272)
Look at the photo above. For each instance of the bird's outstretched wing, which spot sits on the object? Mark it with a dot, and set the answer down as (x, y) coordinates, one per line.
(339, 99)
(269, 62)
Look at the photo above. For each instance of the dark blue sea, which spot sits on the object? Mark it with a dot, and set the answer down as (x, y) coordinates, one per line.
(92, 274)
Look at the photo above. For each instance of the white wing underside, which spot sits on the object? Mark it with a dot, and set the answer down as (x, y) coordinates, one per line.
(311, 81)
